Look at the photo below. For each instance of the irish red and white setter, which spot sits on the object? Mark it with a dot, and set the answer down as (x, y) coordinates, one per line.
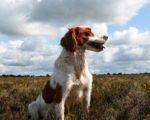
(71, 81)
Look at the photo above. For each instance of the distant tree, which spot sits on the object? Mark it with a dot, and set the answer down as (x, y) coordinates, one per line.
(19, 76)
(9, 75)
(28, 76)
(119, 73)
(108, 73)
(47, 75)
(4, 75)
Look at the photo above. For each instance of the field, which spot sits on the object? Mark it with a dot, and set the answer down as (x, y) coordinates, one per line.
(114, 97)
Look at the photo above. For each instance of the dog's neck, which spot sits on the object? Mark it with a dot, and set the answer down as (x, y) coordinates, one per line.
(80, 62)
(77, 59)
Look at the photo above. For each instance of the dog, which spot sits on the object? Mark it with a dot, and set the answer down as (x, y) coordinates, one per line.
(71, 81)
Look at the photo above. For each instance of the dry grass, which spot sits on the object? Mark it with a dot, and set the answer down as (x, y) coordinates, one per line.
(114, 97)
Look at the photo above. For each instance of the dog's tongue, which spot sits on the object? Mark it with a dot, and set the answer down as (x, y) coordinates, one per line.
(103, 46)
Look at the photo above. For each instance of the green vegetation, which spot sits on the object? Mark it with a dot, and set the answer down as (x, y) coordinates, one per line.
(114, 97)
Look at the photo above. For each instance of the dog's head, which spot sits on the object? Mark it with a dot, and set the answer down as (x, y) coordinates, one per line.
(84, 37)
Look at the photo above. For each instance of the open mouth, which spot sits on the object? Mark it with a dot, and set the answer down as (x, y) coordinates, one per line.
(98, 46)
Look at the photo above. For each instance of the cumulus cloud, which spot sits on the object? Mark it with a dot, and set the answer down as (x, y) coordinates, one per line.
(120, 60)
(13, 17)
(15, 59)
(100, 28)
(40, 21)
(35, 55)
(130, 37)
(42, 17)
(127, 51)
(73, 11)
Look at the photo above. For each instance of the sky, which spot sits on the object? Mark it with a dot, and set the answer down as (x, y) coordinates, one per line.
(30, 33)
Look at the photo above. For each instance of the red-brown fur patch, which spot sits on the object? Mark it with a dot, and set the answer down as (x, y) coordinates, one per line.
(69, 41)
(74, 37)
(51, 95)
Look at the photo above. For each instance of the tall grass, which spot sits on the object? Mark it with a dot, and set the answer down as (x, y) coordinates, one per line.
(114, 97)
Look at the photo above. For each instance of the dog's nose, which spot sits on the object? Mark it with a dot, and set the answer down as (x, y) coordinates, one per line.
(105, 37)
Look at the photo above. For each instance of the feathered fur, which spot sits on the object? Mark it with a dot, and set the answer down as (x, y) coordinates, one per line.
(71, 81)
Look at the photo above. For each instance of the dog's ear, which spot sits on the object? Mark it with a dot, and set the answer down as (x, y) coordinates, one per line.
(69, 41)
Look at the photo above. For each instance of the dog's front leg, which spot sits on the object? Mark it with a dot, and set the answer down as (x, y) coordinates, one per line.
(60, 111)
(60, 108)
(86, 102)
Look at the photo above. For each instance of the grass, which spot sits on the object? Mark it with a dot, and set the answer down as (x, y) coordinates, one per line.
(114, 97)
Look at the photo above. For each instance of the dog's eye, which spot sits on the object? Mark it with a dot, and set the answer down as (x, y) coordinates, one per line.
(86, 33)
(85, 39)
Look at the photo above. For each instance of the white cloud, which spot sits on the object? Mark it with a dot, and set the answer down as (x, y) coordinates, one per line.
(110, 54)
(39, 0)
(137, 51)
(99, 28)
(15, 59)
(35, 55)
(130, 37)
(73, 11)
(2, 48)
(40, 21)
(33, 44)
(14, 44)
(42, 17)
(126, 51)
(13, 17)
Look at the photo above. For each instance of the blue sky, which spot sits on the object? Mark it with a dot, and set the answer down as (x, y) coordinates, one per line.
(30, 31)
(140, 21)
